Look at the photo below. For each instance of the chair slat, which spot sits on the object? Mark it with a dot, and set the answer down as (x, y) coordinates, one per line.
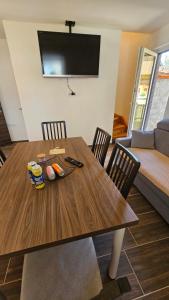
(61, 130)
(101, 144)
(2, 158)
(51, 131)
(98, 145)
(47, 131)
(54, 131)
(121, 162)
(121, 177)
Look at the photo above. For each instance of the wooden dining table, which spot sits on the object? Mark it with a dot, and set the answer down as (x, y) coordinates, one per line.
(82, 204)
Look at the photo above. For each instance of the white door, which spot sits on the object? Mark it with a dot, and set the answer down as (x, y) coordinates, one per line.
(9, 97)
(143, 81)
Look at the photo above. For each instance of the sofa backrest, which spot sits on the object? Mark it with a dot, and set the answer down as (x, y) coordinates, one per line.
(162, 137)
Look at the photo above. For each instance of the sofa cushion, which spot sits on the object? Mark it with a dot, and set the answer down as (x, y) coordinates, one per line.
(125, 141)
(162, 141)
(163, 124)
(142, 139)
(154, 166)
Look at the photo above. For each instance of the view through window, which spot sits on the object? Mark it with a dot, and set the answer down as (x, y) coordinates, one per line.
(159, 101)
(143, 82)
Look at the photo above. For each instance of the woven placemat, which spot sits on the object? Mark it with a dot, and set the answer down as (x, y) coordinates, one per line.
(59, 159)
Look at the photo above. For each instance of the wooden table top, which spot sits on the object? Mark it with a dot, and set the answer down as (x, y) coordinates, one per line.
(84, 203)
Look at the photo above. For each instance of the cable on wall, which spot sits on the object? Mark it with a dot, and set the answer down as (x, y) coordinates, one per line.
(70, 24)
(72, 93)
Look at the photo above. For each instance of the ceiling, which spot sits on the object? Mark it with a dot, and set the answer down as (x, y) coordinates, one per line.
(128, 15)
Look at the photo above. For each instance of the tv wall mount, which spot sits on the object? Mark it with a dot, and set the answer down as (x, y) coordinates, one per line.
(70, 24)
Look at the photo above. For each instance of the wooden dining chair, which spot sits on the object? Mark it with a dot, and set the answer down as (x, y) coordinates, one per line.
(54, 130)
(2, 158)
(100, 144)
(122, 168)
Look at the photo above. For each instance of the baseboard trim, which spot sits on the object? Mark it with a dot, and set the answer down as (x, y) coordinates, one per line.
(22, 141)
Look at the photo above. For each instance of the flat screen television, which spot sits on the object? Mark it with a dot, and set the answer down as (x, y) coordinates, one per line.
(69, 54)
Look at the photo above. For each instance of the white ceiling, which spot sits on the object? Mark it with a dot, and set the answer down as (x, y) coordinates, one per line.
(128, 15)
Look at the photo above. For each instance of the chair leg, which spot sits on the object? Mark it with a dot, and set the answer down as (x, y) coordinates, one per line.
(116, 251)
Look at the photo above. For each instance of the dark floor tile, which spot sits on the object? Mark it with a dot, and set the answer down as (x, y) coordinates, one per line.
(151, 264)
(15, 268)
(151, 227)
(3, 268)
(135, 289)
(160, 295)
(139, 204)
(103, 243)
(123, 269)
(110, 291)
(12, 290)
(133, 190)
(128, 240)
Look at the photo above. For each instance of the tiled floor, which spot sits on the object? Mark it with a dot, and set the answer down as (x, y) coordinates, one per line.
(144, 257)
(145, 254)
(11, 276)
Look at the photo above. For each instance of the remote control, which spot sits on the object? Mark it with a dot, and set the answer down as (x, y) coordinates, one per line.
(74, 162)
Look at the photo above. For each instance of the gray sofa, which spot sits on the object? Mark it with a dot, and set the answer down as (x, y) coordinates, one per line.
(153, 177)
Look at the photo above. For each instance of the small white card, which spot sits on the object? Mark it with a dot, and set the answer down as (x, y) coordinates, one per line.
(57, 151)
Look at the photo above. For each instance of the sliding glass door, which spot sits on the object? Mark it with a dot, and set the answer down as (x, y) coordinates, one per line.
(142, 87)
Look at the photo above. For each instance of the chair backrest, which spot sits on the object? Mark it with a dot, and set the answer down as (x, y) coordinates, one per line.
(2, 158)
(54, 130)
(100, 144)
(122, 168)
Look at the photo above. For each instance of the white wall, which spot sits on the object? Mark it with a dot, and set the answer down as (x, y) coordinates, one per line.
(160, 39)
(130, 44)
(45, 99)
(9, 96)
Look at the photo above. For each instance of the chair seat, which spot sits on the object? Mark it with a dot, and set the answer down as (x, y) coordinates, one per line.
(66, 272)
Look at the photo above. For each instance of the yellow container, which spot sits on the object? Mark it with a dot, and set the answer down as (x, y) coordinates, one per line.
(29, 168)
(37, 176)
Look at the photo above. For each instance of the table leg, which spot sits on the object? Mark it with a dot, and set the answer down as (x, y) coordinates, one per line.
(116, 251)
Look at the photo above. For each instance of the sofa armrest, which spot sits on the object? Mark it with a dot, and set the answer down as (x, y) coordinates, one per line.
(126, 141)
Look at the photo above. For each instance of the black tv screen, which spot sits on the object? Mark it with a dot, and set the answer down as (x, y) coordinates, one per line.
(69, 54)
